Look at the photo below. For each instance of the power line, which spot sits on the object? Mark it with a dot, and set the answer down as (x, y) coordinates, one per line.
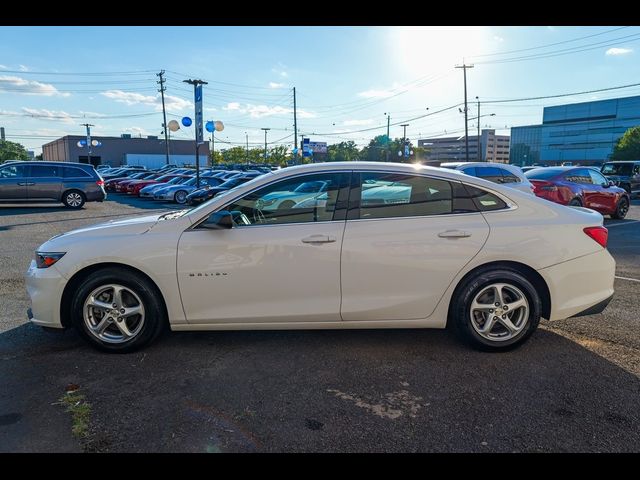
(80, 74)
(563, 94)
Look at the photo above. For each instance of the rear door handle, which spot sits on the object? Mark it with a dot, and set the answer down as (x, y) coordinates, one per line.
(454, 234)
(319, 239)
(26, 184)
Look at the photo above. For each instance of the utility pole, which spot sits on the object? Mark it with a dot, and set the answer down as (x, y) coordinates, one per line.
(466, 125)
(295, 126)
(213, 146)
(388, 139)
(197, 94)
(404, 140)
(265, 143)
(164, 115)
(2, 134)
(479, 153)
(247, 137)
(88, 125)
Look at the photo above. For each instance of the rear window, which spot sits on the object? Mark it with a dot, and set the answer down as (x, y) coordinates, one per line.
(543, 173)
(74, 172)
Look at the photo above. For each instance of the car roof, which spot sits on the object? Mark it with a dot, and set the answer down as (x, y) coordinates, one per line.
(622, 161)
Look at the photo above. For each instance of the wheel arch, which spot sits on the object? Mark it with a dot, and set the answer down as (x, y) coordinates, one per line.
(76, 280)
(534, 277)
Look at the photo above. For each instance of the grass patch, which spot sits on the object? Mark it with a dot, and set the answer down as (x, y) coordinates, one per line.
(80, 410)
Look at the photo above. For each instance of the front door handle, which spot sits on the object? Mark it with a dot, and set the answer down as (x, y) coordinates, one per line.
(25, 184)
(319, 239)
(454, 234)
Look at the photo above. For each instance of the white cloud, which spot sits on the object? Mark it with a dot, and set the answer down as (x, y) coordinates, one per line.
(276, 85)
(498, 38)
(210, 109)
(259, 111)
(23, 68)
(281, 70)
(618, 51)
(137, 131)
(11, 84)
(354, 123)
(4, 67)
(44, 114)
(132, 98)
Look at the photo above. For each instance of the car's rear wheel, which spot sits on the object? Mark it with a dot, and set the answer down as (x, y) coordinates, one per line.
(117, 310)
(622, 208)
(180, 197)
(73, 199)
(575, 202)
(496, 309)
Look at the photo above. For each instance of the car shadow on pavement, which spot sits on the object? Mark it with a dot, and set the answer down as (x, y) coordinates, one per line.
(146, 203)
(316, 391)
(26, 209)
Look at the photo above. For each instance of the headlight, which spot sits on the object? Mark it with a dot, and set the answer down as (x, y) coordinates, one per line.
(46, 259)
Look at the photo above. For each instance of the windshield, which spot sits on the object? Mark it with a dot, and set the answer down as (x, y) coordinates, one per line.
(544, 173)
(617, 168)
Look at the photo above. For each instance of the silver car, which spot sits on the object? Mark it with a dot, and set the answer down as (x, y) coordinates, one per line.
(510, 175)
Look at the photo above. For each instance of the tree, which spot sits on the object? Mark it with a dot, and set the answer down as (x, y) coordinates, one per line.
(12, 151)
(216, 157)
(234, 155)
(628, 146)
(377, 149)
(278, 155)
(343, 152)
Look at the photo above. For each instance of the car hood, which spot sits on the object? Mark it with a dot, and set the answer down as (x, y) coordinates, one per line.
(135, 225)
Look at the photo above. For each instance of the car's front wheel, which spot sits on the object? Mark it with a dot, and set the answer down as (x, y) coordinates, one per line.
(180, 197)
(496, 309)
(622, 208)
(117, 310)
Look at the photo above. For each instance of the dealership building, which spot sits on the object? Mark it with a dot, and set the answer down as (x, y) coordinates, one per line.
(124, 150)
(492, 148)
(580, 133)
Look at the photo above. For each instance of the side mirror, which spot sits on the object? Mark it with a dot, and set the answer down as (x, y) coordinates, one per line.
(221, 220)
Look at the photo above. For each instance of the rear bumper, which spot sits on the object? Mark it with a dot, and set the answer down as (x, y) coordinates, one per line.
(96, 196)
(580, 285)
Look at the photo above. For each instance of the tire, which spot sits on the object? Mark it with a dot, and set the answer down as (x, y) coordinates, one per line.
(575, 202)
(286, 205)
(468, 321)
(622, 208)
(73, 199)
(143, 326)
(180, 197)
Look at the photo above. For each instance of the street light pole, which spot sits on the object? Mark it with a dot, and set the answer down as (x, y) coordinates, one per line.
(265, 143)
(198, 123)
(88, 125)
(388, 139)
(404, 140)
(247, 137)
(466, 124)
(479, 154)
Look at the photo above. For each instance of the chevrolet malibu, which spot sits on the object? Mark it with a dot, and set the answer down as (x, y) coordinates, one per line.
(423, 248)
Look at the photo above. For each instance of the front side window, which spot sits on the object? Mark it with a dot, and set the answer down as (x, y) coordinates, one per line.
(388, 195)
(13, 171)
(308, 198)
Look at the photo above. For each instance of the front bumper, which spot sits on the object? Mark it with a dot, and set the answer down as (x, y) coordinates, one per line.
(164, 197)
(44, 287)
(584, 284)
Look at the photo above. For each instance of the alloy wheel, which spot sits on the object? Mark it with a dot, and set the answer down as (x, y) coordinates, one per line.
(113, 313)
(499, 312)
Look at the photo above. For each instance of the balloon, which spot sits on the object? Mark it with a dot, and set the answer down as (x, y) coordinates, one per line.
(209, 126)
(219, 126)
(174, 126)
(95, 143)
(186, 121)
(80, 144)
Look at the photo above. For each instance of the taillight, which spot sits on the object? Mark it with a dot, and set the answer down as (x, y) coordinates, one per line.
(599, 234)
(100, 182)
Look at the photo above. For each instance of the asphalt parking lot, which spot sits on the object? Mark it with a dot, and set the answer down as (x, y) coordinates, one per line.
(573, 387)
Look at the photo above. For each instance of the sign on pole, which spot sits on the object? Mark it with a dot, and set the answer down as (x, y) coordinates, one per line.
(198, 102)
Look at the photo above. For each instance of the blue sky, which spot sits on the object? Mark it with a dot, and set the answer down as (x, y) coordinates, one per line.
(52, 79)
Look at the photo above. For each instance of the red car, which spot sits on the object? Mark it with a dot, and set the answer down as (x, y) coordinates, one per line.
(581, 187)
(110, 185)
(121, 186)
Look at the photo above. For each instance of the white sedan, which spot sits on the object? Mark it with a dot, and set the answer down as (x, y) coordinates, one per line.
(422, 248)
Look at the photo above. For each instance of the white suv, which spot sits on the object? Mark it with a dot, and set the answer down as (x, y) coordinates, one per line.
(510, 175)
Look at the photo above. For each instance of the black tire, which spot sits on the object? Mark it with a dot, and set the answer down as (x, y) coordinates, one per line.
(155, 319)
(575, 202)
(286, 205)
(622, 208)
(74, 199)
(460, 316)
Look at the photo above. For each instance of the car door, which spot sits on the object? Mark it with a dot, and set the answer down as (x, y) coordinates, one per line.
(404, 242)
(276, 266)
(604, 198)
(635, 179)
(13, 182)
(44, 183)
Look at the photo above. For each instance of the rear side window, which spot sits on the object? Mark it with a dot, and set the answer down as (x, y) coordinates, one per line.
(579, 175)
(483, 200)
(492, 174)
(508, 177)
(44, 171)
(73, 172)
(387, 195)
